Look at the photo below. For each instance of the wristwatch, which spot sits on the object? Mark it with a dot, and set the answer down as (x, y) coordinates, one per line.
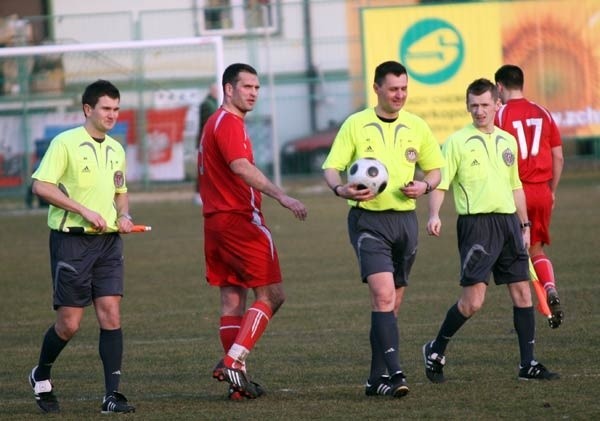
(428, 188)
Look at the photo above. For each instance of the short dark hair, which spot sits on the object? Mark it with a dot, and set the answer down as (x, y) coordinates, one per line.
(510, 76)
(232, 72)
(386, 68)
(481, 86)
(99, 88)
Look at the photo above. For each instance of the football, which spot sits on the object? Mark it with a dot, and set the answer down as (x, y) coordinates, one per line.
(368, 173)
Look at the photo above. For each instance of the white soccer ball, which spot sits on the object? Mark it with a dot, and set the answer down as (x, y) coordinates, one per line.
(368, 173)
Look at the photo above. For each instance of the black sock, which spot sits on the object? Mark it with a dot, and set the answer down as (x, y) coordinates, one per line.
(378, 367)
(385, 329)
(524, 321)
(52, 345)
(111, 353)
(452, 323)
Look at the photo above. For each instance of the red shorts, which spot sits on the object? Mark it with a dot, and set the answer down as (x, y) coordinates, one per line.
(239, 251)
(539, 210)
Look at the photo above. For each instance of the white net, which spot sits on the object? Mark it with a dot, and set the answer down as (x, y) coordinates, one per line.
(154, 60)
(161, 83)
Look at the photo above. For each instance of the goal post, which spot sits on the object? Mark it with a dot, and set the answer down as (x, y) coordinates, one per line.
(161, 82)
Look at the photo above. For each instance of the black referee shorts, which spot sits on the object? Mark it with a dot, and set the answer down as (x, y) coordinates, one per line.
(384, 241)
(491, 243)
(85, 267)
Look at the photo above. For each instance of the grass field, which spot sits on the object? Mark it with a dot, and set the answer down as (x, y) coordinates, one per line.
(314, 357)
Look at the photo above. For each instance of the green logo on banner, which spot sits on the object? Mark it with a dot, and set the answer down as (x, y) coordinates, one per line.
(432, 51)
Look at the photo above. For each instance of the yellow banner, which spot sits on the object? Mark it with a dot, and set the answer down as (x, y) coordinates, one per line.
(446, 47)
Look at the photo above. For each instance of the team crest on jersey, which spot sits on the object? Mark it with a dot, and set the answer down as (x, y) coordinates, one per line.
(119, 179)
(411, 155)
(508, 157)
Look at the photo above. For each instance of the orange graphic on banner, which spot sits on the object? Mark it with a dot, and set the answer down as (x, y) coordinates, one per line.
(557, 47)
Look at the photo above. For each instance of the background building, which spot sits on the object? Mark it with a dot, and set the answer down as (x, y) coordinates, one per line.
(315, 59)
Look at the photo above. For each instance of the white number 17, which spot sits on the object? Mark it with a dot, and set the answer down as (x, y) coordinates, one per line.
(537, 134)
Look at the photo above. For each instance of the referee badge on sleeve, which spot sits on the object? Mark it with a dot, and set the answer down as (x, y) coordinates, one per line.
(508, 157)
(119, 179)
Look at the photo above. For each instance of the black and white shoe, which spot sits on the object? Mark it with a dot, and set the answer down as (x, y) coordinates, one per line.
(235, 395)
(116, 402)
(43, 392)
(380, 387)
(434, 364)
(239, 380)
(536, 371)
(398, 385)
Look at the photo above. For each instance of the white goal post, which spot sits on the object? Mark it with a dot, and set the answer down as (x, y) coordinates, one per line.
(107, 46)
(41, 87)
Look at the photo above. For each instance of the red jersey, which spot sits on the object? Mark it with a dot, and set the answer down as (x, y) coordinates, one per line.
(536, 134)
(224, 139)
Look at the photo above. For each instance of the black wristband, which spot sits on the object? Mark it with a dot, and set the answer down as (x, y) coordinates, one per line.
(525, 224)
(335, 190)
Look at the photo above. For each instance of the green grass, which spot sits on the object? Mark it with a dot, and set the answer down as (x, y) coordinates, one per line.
(314, 357)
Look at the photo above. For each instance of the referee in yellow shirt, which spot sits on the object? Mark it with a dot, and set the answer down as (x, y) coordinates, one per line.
(383, 229)
(82, 176)
(492, 229)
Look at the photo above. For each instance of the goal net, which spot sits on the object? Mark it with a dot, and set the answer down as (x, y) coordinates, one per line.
(161, 82)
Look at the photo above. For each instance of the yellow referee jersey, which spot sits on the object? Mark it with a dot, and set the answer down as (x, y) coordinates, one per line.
(400, 145)
(88, 171)
(482, 171)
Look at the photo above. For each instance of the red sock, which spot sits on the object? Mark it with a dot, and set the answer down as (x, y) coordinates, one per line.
(543, 269)
(230, 326)
(253, 325)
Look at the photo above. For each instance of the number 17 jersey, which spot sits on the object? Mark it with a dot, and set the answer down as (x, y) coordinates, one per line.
(536, 134)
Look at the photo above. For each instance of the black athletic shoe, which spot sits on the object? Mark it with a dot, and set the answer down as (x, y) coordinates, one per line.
(116, 402)
(260, 391)
(238, 379)
(235, 395)
(398, 385)
(434, 364)
(44, 396)
(380, 387)
(558, 315)
(536, 371)
(218, 371)
(233, 392)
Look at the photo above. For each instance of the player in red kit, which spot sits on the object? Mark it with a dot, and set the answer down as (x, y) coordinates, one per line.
(239, 250)
(540, 167)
